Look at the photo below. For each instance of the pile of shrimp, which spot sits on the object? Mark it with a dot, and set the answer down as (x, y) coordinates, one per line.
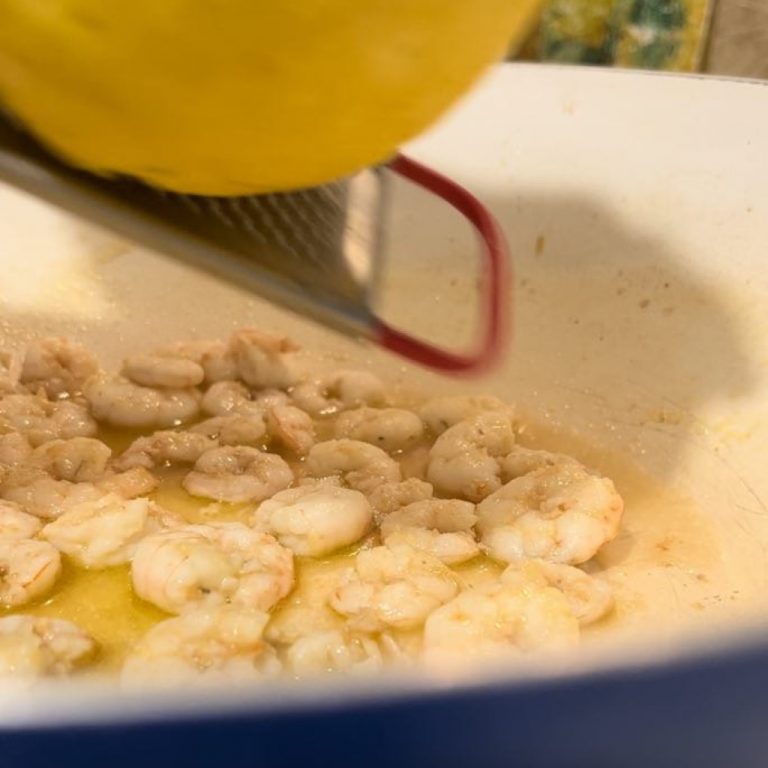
(310, 470)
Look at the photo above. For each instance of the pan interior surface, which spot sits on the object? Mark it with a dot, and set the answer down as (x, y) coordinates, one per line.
(640, 336)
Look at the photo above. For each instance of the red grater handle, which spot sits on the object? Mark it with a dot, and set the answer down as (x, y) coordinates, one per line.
(495, 280)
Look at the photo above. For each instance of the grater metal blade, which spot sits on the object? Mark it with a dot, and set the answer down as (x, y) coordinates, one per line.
(315, 251)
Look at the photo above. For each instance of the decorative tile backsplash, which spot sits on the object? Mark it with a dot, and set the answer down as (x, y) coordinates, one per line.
(647, 34)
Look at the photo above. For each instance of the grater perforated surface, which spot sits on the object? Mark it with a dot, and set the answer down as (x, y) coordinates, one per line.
(314, 250)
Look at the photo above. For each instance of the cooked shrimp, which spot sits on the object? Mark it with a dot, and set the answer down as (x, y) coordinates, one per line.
(35, 646)
(225, 397)
(268, 398)
(392, 587)
(238, 474)
(219, 363)
(10, 370)
(40, 420)
(57, 365)
(67, 420)
(291, 427)
(106, 532)
(238, 418)
(14, 448)
(311, 397)
(306, 610)
(134, 482)
(79, 459)
(163, 372)
(388, 497)
(37, 493)
(361, 466)
(164, 448)
(222, 644)
(497, 620)
(375, 517)
(122, 403)
(336, 651)
(43, 496)
(521, 461)
(190, 349)
(214, 357)
(589, 597)
(561, 513)
(464, 459)
(16, 524)
(28, 569)
(440, 413)
(22, 412)
(332, 481)
(263, 359)
(357, 388)
(211, 565)
(441, 527)
(339, 391)
(392, 429)
(315, 521)
(235, 429)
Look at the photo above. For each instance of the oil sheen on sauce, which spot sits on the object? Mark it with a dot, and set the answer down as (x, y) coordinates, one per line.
(663, 566)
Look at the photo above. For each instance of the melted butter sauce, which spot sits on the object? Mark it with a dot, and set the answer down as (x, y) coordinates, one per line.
(663, 566)
(666, 566)
(102, 603)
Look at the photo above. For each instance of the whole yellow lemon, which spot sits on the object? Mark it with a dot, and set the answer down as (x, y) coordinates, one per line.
(225, 97)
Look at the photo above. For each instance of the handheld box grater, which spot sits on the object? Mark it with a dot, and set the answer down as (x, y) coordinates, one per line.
(315, 251)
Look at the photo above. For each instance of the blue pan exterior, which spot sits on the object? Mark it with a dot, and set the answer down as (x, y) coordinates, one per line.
(706, 713)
